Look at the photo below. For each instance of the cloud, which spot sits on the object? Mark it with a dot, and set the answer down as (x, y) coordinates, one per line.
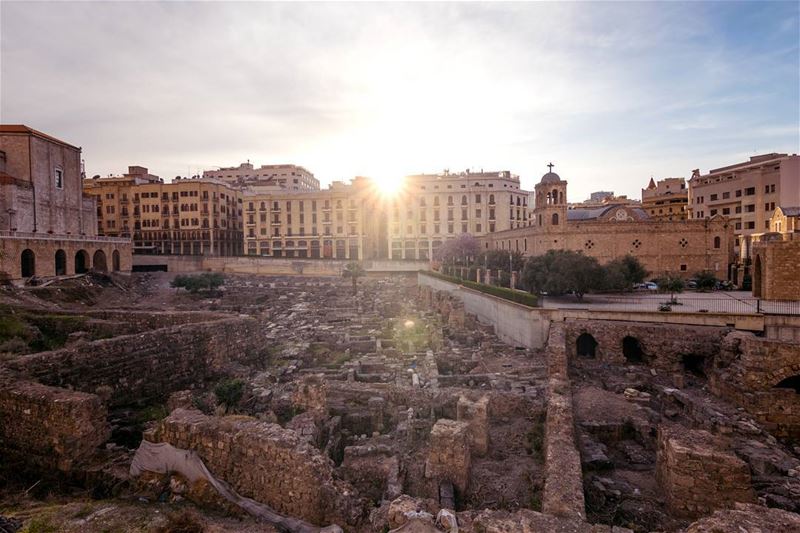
(611, 91)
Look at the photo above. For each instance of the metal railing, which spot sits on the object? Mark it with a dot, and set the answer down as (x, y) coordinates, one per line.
(5, 234)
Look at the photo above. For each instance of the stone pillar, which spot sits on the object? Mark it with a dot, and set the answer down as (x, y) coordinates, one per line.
(449, 457)
(476, 414)
(479, 275)
(488, 278)
(514, 279)
(376, 407)
(698, 474)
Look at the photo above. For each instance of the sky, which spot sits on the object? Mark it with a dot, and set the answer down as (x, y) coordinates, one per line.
(611, 93)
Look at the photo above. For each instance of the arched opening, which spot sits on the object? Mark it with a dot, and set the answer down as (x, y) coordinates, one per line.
(115, 259)
(694, 364)
(717, 242)
(792, 382)
(28, 263)
(757, 277)
(81, 262)
(632, 350)
(555, 219)
(61, 263)
(99, 261)
(586, 345)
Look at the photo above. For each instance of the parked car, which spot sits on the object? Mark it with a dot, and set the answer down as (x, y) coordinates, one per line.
(646, 286)
(691, 283)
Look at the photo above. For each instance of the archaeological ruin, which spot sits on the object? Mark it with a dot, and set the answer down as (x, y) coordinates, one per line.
(288, 403)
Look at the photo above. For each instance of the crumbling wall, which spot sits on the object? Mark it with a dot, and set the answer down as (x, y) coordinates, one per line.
(697, 474)
(746, 373)
(49, 427)
(449, 457)
(563, 486)
(146, 367)
(476, 414)
(662, 345)
(264, 462)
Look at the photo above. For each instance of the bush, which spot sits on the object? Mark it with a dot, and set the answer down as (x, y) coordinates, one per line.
(706, 280)
(205, 281)
(229, 392)
(181, 522)
(519, 297)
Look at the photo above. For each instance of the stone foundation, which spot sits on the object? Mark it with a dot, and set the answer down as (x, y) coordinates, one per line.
(697, 474)
(477, 416)
(449, 457)
(264, 462)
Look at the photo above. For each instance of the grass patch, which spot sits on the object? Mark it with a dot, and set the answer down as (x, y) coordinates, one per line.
(519, 297)
(40, 524)
(152, 412)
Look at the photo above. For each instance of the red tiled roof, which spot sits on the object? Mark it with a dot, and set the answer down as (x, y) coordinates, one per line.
(21, 128)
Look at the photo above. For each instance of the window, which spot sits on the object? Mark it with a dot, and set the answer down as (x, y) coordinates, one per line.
(726, 210)
(750, 191)
(59, 177)
(713, 197)
(738, 193)
(750, 208)
(750, 225)
(726, 195)
(717, 242)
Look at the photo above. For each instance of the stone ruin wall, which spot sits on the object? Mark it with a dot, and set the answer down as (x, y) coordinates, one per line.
(563, 486)
(746, 372)
(146, 367)
(663, 345)
(698, 474)
(48, 427)
(265, 462)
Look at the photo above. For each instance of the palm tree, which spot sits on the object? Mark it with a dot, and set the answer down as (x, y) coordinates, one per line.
(353, 270)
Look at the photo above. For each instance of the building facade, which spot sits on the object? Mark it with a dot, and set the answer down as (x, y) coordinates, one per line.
(48, 227)
(186, 217)
(667, 199)
(344, 221)
(682, 247)
(432, 208)
(291, 177)
(747, 193)
(775, 268)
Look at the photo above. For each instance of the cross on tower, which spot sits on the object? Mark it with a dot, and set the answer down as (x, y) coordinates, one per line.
(550, 166)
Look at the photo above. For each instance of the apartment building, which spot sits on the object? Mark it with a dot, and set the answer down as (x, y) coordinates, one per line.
(344, 221)
(186, 217)
(666, 199)
(432, 208)
(748, 193)
(291, 177)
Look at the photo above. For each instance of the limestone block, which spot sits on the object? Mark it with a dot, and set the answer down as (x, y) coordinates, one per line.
(449, 456)
(476, 414)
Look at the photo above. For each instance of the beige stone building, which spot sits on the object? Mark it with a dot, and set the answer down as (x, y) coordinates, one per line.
(48, 227)
(666, 199)
(292, 177)
(186, 217)
(344, 221)
(747, 193)
(776, 268)
(682, 247)
(432, 208)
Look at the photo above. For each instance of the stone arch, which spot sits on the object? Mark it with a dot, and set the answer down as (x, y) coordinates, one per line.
(555, 219)
(586, 345)
(632, 350)
(27, 263)
(61, 263)
(757, 277)
(717, 242)
(99, 261)
(792, 382)
(81, 262)
(115, 260)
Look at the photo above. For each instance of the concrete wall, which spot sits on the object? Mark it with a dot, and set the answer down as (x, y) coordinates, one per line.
(520, 325)
(268, 265)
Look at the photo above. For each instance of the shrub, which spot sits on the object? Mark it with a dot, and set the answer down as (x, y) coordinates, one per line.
(229, 392)
(205, 281)
(519, 297)
(181, 522)
(706, 280)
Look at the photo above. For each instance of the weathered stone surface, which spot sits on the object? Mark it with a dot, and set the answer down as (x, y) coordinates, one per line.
(698, 474)
(50, 427)
(449, 456)
(476, 414)
(749, 518)
(265, 462)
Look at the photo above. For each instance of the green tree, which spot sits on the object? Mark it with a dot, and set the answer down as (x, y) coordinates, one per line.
(706, 280)
(460, 250)
(195, 283)
(562, 271)
(623, 273)
(229, 392)
(501, 260)
(671, 284)
(353, 270)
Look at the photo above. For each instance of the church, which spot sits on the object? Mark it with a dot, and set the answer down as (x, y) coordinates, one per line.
(682, 247)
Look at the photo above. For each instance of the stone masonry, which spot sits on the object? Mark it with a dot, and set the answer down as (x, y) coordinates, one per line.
(449, 454)
(697, 474)
(476, 414)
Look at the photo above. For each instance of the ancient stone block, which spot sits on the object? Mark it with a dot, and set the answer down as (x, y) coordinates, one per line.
(477, 416)
(449, 456)
(698, 474)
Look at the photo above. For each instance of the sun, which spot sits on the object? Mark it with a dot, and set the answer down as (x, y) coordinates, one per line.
(389, 187)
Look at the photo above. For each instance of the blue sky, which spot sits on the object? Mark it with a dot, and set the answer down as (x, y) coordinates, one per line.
(612, 93)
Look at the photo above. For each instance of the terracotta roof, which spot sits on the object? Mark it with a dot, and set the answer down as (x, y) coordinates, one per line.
(21, 128)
